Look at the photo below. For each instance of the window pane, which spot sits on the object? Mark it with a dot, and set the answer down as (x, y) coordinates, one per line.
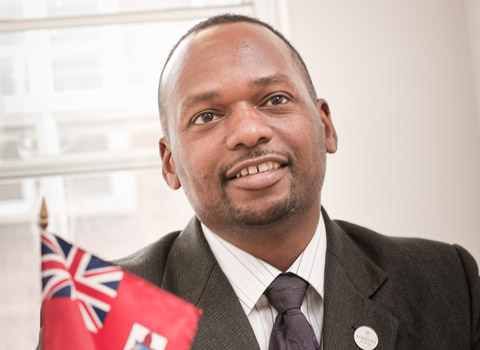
(82, 90)
(57, 8)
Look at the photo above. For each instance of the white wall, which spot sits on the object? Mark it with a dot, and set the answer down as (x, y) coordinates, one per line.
(399, 78)
(473, 22)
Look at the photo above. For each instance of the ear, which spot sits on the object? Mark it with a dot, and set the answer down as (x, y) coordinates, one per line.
(331, 139)
(169, 171)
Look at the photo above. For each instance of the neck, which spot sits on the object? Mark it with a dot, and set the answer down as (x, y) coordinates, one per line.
(280, 243)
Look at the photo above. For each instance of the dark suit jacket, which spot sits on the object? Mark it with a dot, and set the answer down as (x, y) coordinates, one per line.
(416, 294)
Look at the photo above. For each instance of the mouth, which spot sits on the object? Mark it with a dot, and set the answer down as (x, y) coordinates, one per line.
(255, 169)
(255, 166)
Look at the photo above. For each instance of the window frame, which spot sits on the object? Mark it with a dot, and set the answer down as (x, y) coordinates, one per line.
(271, 11)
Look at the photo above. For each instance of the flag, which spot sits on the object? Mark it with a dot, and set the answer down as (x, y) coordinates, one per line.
(89, 304)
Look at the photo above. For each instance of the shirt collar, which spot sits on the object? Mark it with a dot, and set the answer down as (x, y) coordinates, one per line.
(250, 276)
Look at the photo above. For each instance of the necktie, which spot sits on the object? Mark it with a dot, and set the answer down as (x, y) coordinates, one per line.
(291, 330)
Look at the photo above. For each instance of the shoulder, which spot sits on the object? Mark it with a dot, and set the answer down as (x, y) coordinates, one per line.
(424, 276)
(418, 264)
(150, 261)
(390, 252)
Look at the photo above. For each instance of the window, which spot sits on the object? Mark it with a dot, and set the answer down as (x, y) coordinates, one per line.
(79, 126)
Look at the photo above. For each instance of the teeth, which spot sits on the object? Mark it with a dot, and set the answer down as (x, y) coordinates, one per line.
(258, 169)
(263, 167)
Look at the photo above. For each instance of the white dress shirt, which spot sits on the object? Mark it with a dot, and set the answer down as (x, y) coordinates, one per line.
(250, 277)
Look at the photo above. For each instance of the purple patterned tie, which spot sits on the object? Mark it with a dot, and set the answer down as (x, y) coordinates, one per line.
(291, 330)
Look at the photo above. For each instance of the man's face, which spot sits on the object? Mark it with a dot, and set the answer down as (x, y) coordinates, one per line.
(246, 139)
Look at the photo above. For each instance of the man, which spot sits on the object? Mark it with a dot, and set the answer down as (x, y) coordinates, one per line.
(246, 137)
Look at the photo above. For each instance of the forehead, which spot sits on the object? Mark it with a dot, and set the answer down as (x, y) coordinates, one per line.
(222, 54)
(227, 40)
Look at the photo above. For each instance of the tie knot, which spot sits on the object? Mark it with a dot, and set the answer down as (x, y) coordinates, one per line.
(286, 292)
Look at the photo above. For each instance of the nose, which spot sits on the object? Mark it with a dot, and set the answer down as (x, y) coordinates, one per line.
(247, 127)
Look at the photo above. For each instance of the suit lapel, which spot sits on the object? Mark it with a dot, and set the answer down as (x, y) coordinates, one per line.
(193, 274)
(351, 280)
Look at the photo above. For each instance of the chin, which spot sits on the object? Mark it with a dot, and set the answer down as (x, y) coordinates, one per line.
(263, 216)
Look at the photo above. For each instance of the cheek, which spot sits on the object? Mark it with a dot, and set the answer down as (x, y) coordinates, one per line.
(317, 131)
(308, 136)
(197, 168)
(311, 141)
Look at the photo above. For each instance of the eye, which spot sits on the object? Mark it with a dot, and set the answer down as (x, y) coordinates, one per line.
(204, 117)
(276, 100)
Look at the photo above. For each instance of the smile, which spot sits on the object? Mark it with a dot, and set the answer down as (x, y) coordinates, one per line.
(263, 164)
(255, 169)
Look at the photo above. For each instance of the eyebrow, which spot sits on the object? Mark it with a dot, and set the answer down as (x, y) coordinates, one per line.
(277, 78)
(203, 97)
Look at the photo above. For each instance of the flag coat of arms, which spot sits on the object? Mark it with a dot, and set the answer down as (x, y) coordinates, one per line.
(89, 304)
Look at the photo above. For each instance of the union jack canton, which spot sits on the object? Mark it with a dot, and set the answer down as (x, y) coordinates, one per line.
(69, 272)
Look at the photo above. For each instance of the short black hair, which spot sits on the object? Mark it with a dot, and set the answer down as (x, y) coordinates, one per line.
(224, 19)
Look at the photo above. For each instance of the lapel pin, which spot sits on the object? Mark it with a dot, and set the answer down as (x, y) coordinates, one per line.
(366, 338)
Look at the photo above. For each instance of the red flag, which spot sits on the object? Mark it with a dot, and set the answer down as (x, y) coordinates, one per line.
(90, 304)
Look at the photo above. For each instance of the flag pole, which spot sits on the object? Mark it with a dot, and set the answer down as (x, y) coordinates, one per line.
(43, 216)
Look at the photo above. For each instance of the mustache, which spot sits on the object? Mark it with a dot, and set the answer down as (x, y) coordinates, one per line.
(253, 154)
